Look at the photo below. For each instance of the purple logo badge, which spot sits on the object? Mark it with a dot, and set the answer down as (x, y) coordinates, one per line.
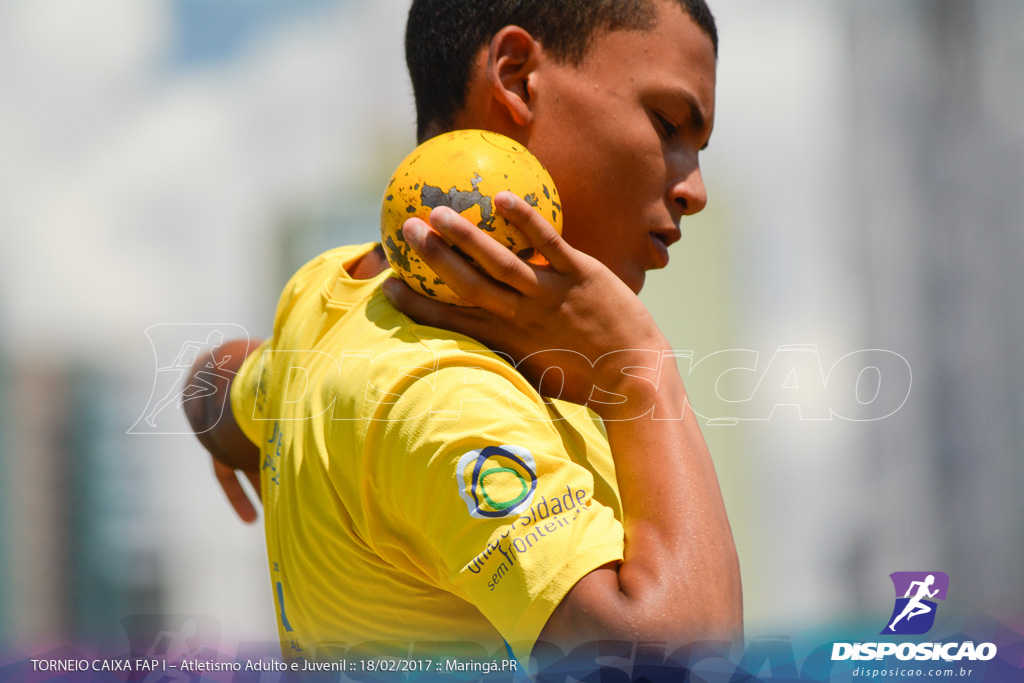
(916, 592)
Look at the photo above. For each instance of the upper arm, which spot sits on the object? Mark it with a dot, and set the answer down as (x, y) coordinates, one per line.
(582, 614)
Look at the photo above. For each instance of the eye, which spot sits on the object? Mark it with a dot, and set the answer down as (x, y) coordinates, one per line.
(668, 128)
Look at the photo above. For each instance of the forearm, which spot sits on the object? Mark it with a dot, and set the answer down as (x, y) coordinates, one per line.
(210, 415)
(679, 580)
(680, 574)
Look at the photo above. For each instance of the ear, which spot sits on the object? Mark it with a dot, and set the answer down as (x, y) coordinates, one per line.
(512, 59)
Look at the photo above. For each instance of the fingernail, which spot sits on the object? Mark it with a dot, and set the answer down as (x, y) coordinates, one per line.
(413, 231)
(505, 201)
(389, 288)
(443, 217)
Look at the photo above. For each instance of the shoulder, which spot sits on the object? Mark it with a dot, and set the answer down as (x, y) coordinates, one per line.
(316, 278)
(413, 372)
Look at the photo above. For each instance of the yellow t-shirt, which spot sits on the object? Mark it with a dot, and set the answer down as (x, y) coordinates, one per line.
(416, 488)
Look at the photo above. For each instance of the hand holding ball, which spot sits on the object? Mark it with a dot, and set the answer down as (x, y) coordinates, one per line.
(462, 170)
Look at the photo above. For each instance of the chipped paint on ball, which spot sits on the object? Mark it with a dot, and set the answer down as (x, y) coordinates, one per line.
(463, 170)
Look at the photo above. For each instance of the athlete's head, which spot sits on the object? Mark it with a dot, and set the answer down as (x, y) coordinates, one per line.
(442, 38)
(615, 97)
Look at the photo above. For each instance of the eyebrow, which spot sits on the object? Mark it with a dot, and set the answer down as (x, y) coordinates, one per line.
(697, 119)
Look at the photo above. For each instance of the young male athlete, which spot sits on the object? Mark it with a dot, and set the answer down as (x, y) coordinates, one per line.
(417, 485)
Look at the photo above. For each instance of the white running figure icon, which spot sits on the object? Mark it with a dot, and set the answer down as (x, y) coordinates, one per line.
(181, 365)
(915, 606)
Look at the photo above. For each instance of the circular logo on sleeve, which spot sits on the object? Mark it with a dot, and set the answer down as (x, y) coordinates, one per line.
(497, 481)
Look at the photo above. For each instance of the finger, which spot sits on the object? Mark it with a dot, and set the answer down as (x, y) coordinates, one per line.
(232, 487)
(497, 260)
(426, 311)
(477, 323)
(458, 273)
(543, 237)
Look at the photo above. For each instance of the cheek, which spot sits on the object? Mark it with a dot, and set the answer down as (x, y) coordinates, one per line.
(609, 202)
(606, 167)
(632, 164)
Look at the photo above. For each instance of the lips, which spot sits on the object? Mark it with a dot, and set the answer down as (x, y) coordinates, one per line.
(669, 235)
(661, 240)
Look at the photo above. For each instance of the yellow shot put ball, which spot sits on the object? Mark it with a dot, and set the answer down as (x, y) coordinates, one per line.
(463, 170)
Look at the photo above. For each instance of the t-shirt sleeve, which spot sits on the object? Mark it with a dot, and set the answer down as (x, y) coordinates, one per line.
(473, 487)
(249, 388)
(248, 395)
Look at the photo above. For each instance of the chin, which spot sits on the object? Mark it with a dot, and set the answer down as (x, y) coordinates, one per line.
(636, 282)
(631, 277)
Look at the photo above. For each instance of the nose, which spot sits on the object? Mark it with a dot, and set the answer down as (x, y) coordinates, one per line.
(686, 191)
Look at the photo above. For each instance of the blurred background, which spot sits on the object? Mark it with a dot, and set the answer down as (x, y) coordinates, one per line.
(166, 165)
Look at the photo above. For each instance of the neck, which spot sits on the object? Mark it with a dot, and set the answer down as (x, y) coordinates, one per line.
(369, 265)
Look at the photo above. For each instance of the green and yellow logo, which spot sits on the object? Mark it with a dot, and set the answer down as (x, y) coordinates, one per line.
(497, 481)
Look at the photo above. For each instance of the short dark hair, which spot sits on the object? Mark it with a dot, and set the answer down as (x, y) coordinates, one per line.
(442, 38)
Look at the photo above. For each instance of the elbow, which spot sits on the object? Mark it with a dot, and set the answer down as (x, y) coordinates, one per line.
(670, 609)
(697, 613)
(687, 603)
